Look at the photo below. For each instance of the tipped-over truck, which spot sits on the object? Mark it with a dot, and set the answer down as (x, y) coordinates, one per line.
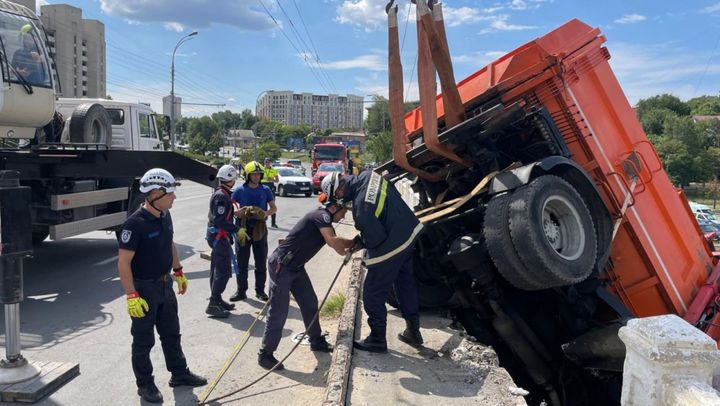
(549, 218)
(82, 158)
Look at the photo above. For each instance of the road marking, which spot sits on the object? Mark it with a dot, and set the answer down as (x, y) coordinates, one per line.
(193, 197)
(107, 261)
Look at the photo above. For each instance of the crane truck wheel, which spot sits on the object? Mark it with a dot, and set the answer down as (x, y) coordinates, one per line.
(552, 231)
(90, 124)
(500, 246)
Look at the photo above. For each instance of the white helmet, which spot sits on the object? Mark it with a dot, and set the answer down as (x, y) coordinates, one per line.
(227, 173)
(158, 178)
(330, 185)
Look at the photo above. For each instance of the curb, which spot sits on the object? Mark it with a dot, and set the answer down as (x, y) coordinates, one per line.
(339, 371)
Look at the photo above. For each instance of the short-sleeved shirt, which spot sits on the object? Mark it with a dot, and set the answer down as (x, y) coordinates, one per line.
(151, 239)
(269, 174)
(245, 195)
(305, 239)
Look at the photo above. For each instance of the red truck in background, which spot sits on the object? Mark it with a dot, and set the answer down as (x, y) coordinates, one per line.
(549, 218)
(328, 152)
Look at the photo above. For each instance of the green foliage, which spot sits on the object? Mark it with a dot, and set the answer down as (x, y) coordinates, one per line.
(704, 105)
(203, 135)
(379, 146)
(267, 149)
(663, 101)
(333, 306)
(378, 118)
(653, 120)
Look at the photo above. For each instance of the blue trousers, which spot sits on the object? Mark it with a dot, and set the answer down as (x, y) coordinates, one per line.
(220, 267)
(283, 281)
(397, 271)
(163, 316)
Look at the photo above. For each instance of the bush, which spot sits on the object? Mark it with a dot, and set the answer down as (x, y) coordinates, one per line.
(333, 306)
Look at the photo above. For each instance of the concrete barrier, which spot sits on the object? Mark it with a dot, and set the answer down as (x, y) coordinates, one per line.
(668, 362)
(336, 390)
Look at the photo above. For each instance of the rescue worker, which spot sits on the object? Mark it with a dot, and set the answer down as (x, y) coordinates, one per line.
(220, 232)
(388, 229)
(146, 255)
(288, 275)
(253, 194)
(270, 176)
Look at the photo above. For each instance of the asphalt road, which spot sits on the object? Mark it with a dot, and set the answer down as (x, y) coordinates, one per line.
(75, 310)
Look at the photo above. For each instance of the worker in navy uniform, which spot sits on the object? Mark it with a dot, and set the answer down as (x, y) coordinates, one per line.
(145, 257)
(288, 275)
(253, 194)
(388, 229)
(220, 232)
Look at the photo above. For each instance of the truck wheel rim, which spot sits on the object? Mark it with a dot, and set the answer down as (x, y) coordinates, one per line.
(562, 227)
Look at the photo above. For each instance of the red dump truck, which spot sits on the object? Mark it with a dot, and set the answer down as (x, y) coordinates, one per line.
(550, 220)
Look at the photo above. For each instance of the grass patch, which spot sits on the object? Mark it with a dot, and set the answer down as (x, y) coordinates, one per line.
(333, 306)
(303, 156)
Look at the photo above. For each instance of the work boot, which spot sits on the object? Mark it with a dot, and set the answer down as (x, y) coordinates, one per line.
(267, 361)
(274, 225)
(150, 393)
(375, 342)
(411, 335)
(261, 295)
(227, 306)
(216, 309)
(321, 345)
(238, 296)
(187, 378)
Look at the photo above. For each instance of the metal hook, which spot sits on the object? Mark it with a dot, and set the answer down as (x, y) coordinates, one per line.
(389, 6)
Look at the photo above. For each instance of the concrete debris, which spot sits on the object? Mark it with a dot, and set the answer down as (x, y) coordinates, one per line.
(517, 391)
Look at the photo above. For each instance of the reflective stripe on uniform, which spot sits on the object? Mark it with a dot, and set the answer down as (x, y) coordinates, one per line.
(381, 203)
(401, 248)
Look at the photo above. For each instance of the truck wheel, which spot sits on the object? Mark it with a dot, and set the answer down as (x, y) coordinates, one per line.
(500, 245)
(552, 231)
(39, 234)
(90, 124)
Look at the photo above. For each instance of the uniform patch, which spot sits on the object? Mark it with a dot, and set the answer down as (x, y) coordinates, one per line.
(221, 210)
(373, 189)
(125, 236)
(326, 218)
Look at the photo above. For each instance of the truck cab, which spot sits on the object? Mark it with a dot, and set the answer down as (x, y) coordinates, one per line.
(134, 125)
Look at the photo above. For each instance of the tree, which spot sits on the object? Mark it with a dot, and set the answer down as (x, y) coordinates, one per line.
(248, 119)
(267, 149)
(704, 105)
(380, 146)
(682, 168)
(653, 120)
(203, 135)
(663, 101)
(378, 118)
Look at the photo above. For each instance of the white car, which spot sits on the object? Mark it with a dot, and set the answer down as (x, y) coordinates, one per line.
(291, 181)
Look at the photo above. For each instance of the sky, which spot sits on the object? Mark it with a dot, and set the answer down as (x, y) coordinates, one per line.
(245, 47)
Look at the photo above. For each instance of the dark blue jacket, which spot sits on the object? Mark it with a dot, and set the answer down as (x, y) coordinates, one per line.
(386, 223)
(220, 216)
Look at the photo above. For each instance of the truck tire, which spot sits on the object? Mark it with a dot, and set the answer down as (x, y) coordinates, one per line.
(552, 231)
(500, 246)
(39, 234)
(90, 124)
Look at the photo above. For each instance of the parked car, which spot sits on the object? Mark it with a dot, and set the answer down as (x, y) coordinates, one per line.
(708, 227)
(323, 170)
(709, 217)
(297, 164)
(291, 181)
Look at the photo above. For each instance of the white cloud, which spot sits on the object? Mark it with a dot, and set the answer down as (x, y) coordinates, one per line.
(478, 58)
(39, 4)
(463, 15)
(372, 62)
(711, 9)
(230, 99)
(500, 23)
(526, 4)
(649, 70)
(366, 14)
(173, 26)
(243, 15)
(630, 19)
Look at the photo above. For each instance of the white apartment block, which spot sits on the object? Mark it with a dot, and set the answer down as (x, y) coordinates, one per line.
(319, 111)
(78, 46)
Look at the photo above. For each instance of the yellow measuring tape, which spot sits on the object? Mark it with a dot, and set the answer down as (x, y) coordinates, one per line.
(239, 346)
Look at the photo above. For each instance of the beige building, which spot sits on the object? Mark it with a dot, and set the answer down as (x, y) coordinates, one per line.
(78, 46)
(319, 111)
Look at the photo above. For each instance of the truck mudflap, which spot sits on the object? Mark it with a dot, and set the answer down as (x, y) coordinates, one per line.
(97, 163)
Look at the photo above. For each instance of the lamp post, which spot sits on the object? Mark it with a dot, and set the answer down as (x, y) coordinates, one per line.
(172, 88)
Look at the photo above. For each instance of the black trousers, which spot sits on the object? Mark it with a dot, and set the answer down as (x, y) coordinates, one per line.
(260, 252)
(396, 271)
(220, 267)
(163, 316)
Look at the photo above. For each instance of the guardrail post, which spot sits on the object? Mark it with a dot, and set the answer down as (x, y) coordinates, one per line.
(668, 362)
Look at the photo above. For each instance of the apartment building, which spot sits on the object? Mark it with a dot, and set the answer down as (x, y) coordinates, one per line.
(321, 112)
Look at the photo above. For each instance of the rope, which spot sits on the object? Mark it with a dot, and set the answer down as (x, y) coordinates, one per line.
(203, 399)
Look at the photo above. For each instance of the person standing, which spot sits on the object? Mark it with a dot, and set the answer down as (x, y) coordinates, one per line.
(251, 195)
(220, 232)
(388, 229)
(288, 275)
(146, 255)
(270, 177)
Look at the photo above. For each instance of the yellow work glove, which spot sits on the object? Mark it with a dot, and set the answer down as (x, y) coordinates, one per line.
(181, 280)
(136, 305)
(242, 236)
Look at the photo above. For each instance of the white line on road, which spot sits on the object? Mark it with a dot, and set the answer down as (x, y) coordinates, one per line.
(206, 195)
(107, 261)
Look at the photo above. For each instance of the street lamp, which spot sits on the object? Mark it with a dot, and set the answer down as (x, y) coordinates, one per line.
(172, 88)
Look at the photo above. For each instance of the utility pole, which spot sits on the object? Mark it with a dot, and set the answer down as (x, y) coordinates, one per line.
(172, 89)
